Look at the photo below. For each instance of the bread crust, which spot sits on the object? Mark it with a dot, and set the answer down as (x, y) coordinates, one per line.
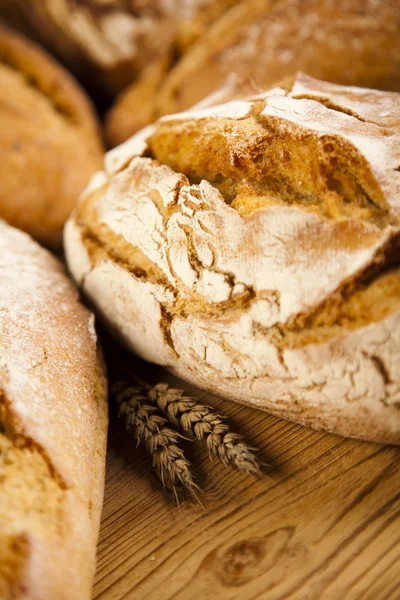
(53, 428)
(253, 248)
(49, 137)
(352, 42)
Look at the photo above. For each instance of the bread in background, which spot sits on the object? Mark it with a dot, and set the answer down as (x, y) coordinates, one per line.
(108, 44)
(352, 42)
(49, 140)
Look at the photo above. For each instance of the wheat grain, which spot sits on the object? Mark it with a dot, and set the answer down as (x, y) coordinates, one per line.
(150, 428)
(202, 423)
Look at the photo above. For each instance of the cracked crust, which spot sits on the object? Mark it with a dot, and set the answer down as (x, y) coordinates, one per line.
(53, 425)
(351, 42)
(253, 248)
(48, 137)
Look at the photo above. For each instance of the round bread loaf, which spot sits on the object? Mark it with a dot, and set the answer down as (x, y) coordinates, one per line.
(253, 249)
(53, 426)
(49, 140)
(352, 42)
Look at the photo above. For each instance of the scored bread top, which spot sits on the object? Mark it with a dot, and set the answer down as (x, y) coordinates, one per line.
(321, 160)
(248, 232)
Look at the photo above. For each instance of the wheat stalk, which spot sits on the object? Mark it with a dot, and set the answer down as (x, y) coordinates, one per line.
(150, 428)
(202, 423)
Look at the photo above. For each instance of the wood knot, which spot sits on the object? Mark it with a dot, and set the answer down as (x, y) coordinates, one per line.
(239, 563)
(247, 560)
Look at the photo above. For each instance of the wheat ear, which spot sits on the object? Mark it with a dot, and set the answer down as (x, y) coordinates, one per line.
(150, 428)
(201, 422)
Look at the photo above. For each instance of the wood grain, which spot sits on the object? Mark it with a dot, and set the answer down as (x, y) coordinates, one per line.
(324, 524)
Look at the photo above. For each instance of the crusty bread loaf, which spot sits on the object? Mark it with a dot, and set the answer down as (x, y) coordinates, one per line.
(352, 42)
(49, 140)
(253, 248)
(53, 423)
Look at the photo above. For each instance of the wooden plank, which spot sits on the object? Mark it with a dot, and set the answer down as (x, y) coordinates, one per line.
(324, 524)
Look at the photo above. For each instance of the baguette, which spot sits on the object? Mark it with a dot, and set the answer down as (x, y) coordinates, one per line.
(253, 248)
(53, 423)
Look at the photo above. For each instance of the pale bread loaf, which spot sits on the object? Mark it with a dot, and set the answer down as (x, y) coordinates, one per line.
(53, 424)
(253, 249)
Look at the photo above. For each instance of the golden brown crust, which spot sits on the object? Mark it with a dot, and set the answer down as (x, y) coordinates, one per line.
(247, 247)
(49, 140)
(352, 42)
(53, 425)
(254, 163)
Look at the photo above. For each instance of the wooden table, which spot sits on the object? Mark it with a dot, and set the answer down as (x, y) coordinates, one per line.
(325, 524)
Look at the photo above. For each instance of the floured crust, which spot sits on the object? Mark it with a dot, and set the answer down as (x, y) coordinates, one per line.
(254, 248)
(48, 137)
(351, 42)
(53, 426)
